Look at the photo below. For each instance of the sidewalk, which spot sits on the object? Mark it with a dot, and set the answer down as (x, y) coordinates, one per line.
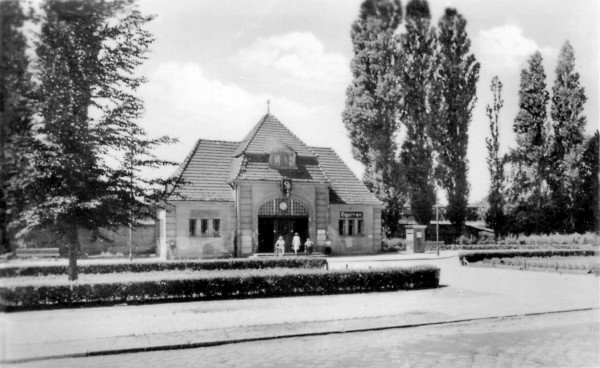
(468, 293)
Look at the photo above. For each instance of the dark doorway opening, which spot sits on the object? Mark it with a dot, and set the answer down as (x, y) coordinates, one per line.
(270, 228)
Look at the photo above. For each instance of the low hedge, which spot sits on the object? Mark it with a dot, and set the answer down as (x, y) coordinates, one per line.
(217, 264)
(502, 246)
(219, 285)
(481, 255)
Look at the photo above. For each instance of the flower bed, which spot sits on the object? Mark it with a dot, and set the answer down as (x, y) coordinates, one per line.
(477, 256)
(582, 264)
(55, 293)
(217, 264)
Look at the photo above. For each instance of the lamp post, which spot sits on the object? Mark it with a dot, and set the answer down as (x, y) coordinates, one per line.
(437, 225)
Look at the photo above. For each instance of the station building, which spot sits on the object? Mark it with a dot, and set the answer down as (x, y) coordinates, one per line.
(239, 197)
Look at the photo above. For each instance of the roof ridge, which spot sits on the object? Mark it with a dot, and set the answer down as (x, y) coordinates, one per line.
(181, 169)
(241, 149)
(219, 141)
(293, 135)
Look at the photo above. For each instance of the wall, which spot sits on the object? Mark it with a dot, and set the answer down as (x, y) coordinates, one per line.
(187, 246)
(253, 194)
(368, 243)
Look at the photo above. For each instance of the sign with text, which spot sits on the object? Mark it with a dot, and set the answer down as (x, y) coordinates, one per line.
(351, 215)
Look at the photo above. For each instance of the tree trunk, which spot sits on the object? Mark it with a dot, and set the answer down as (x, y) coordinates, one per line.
(73, 239)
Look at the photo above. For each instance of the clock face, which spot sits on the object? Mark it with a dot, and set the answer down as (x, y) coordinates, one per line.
(287, 185)
(283, 206)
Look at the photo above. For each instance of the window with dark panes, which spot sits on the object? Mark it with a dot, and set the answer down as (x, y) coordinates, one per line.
(359, 227)
(204, 227)
(350, 227)
(341, 227)
(216, 227)
(192, 227)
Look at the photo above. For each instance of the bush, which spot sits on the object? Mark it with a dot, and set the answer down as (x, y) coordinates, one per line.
(481, 255)
(502, 246)
(393, 245)
(219, 285)
(217, 264)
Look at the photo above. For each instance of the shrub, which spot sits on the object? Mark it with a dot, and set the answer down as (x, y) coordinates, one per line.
(504, 246)
(481, 255)
(217, 264)
(220, 285)
(393, 245)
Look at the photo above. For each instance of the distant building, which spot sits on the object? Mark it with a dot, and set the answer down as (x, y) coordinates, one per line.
(475, 226)
(239, 197)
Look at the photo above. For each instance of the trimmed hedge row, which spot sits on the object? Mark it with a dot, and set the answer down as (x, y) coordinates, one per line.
(502, 246)
(217, 264)
(481, 255)
(257, 284)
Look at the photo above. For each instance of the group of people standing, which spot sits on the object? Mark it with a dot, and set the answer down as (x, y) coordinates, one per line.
(296, 243)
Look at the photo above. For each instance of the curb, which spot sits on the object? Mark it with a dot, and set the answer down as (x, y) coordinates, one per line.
(191, 345)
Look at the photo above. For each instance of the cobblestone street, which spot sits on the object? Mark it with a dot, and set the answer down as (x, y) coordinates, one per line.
(555, 340)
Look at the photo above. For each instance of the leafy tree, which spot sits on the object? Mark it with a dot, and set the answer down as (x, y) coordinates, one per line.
(92, 148)
(458, 76)
(421, 98)
(587, 203)
(15, 113)
(371, 113)
(568, 123)
(494, 216)
(530, 159)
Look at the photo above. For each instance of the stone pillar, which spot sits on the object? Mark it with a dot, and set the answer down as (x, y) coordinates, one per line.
(321, 214)
(245, 224)
(161, 216)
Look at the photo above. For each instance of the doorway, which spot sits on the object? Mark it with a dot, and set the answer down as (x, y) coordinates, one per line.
(270, 228)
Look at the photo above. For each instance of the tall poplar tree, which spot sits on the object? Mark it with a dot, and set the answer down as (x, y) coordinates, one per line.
(568, 123)
(417, 72)
(16, 110)
(92, 146)
(372, 103)
(458, 76)
(587, 201)
(494, 216)
(530, 159)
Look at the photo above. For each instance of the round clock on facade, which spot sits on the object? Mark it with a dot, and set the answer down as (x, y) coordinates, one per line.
(283, 206)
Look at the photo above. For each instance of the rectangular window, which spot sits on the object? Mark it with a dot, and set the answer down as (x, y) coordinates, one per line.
(341, 227)
(192, 227)
(359, 227)
(350, 227)
(275, 160)
(284, 160)
(216, 227)
(204, 227)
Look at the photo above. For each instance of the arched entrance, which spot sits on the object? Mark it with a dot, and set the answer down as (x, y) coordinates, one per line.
(281, 217)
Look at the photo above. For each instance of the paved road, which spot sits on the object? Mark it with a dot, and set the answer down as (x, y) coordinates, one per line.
(470, 292)
(554, 340)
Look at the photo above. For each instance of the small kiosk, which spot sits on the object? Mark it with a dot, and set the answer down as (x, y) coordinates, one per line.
(415, 238)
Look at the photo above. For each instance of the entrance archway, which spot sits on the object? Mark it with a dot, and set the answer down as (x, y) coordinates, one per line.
(281, 217)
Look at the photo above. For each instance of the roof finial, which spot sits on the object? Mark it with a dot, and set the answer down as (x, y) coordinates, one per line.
(268, 106)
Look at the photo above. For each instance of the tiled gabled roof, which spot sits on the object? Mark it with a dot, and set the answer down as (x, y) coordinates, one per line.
(265, 132)
(207, 171)
(256, 167)
(345, 186)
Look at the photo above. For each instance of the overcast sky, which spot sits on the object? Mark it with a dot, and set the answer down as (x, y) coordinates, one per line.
(214, 65)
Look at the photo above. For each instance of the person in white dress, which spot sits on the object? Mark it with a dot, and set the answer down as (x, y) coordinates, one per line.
(296, 242)
(280, 246)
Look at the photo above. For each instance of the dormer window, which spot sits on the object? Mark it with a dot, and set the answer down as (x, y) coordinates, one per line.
(281, 156)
